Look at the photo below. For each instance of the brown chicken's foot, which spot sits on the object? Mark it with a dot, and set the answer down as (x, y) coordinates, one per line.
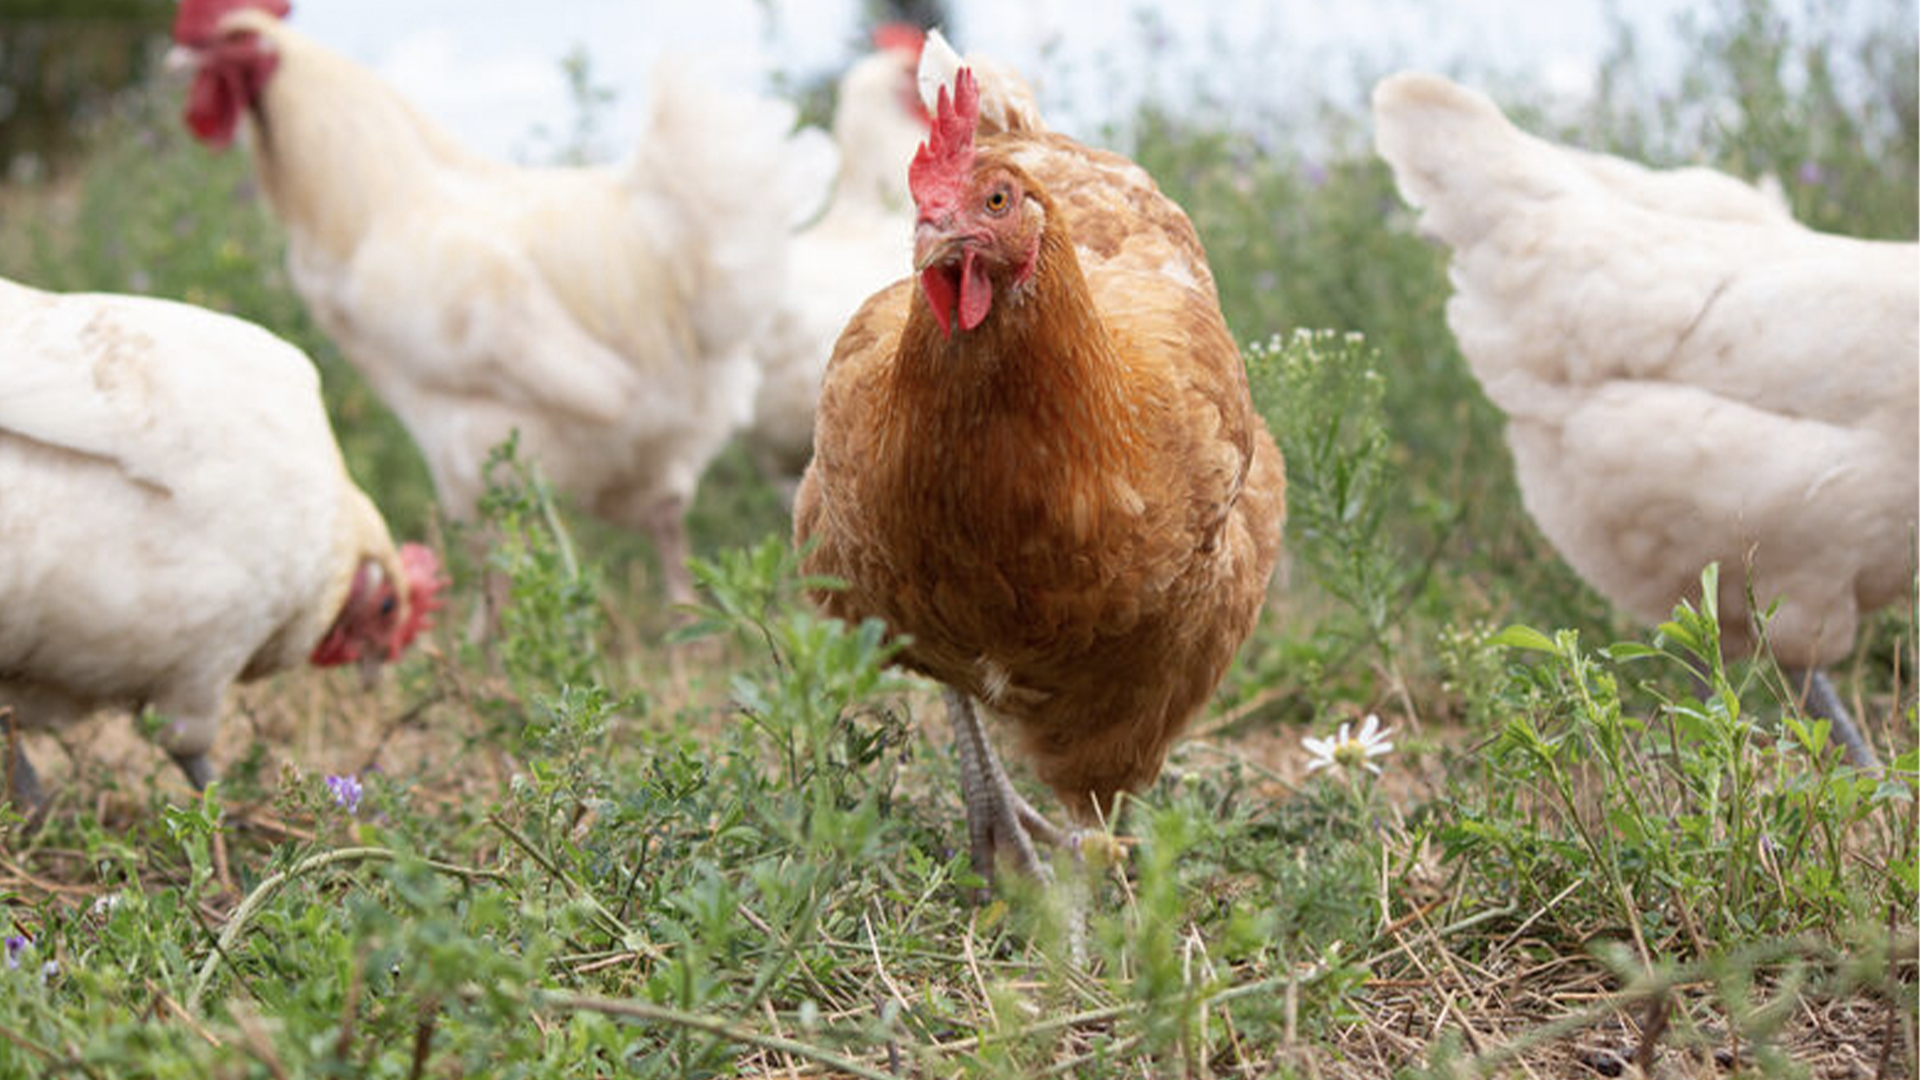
(999, 821)
(1080, 843)
(1823, 701)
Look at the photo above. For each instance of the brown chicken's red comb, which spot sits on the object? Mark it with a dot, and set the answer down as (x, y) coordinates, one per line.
(939, 171)
(198, 21)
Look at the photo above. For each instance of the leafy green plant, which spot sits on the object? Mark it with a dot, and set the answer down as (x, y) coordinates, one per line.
(551, 622)
(812, 711)
(1321, 393)
(1699, 825)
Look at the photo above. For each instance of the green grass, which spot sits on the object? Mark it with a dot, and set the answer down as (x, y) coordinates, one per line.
(582, 853)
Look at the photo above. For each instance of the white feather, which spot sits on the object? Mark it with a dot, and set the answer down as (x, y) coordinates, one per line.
(176, 511)
(1689, 374)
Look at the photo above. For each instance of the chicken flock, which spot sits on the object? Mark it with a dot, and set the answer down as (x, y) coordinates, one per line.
(985, 363)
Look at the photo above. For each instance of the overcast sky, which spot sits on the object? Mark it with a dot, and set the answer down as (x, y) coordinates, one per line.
(489, 69)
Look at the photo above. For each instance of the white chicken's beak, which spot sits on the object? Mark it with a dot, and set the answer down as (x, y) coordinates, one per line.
(182, 58)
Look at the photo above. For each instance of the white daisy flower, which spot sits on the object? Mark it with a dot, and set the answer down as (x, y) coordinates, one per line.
(1347, 750)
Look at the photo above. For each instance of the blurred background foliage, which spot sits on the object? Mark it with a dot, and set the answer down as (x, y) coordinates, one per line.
(62, 61)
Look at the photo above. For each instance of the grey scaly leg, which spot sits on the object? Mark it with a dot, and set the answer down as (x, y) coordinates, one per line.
(23, 784)
(199, 771)
(1824, 702)
(997, 817)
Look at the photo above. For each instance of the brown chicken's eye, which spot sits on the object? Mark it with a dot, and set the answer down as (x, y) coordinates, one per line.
(387, 606)
(998, 200)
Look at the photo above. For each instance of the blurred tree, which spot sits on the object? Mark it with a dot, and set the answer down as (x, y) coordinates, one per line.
(922, 13)
(61, 61)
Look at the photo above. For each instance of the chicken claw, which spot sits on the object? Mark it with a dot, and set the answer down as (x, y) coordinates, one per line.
(999, 819)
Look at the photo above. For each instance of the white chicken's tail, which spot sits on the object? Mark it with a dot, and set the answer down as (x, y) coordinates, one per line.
(1456, 157)
(1006, 101)
(733, 178)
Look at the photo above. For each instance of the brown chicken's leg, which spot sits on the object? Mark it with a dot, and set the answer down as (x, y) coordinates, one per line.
(998, 819)
(1823, 701)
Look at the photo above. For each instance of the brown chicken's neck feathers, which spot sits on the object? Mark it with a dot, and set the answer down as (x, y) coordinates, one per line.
(1042, 353)
(1028, 426)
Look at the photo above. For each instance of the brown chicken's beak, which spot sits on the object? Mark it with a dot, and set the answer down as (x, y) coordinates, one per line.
(931, 247)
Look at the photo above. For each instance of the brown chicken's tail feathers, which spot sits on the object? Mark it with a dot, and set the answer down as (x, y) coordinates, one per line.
(1007, 103)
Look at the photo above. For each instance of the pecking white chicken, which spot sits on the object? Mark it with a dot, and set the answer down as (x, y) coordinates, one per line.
(608, 314)
(856, 247)
(177, 516)
(1689, 375)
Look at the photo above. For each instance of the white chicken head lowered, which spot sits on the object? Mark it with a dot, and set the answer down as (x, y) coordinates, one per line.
(381, 617)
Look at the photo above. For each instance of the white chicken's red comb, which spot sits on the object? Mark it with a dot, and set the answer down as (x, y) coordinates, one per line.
(938, 175)
(423, 584)
(198, 21)
(902, 36)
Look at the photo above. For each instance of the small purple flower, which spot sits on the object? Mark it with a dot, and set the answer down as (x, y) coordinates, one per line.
(16, 944)
(1313, 173)
(49, 970)
(1812, 175)
(346, 791)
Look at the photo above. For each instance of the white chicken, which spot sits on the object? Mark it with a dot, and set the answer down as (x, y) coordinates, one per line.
(607, 314)
(856, 247)
(1689, 375)
(177, 516)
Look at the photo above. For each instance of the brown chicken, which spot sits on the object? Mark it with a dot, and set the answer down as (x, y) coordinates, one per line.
(1038, 462)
